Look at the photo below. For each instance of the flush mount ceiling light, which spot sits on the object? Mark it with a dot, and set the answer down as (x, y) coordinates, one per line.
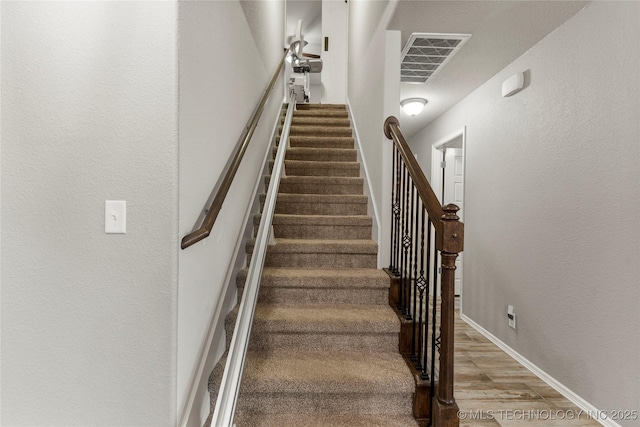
(413, 106)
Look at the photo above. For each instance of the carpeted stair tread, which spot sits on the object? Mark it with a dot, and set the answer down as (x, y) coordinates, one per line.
(293, 219)
(326, 420)
(322, 278)
(344, 199)
(321, 246)
(325, 372)
(326, 318)
(318, 120)
(352, 277)
(325, 179)
(371, 328)
(320, 130)
(321, 404)
(301, 107)
(322, 154)
(320, 204)
(320, 185)
(319, 226)
(321, 286)
(320, 141)
(327, 112)
(320, 253)
(321, 168)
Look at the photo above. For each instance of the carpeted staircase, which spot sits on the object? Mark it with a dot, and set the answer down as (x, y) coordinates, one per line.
(324, 343)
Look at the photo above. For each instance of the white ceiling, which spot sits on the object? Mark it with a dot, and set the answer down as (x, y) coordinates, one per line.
(500, 31)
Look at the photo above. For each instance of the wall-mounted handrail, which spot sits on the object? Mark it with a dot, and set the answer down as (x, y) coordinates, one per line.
(414, 268)
(224, 411)
(213, 210)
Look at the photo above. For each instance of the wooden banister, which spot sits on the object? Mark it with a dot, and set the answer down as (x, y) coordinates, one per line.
(449, 241)
(213, 210)
(429, 198)
(449, 238)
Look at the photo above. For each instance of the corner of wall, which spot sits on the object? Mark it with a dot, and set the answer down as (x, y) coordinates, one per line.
(391, 107)
(364, 170)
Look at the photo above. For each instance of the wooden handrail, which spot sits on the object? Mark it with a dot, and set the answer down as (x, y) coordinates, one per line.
(449, 234)
(213, 210)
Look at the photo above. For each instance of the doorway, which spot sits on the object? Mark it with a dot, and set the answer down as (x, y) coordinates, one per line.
(447, 178)
(310, 11)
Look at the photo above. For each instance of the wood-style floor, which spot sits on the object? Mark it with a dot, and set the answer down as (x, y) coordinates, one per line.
(493, 389)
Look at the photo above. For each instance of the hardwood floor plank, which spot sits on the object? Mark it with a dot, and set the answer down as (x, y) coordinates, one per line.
(493, 389)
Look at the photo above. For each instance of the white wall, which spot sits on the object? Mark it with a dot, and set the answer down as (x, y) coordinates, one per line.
(89, 113)
(366, 86)
(334, 72)
(552, 207)
(421, 146)
(228, 53)
(392, 57)
(91, 333)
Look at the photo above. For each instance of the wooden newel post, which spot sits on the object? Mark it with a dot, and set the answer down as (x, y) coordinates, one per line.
(445, 407)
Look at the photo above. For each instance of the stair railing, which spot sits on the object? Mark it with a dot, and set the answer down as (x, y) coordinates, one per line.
(211, 213)
(224, 411)
(426, 238)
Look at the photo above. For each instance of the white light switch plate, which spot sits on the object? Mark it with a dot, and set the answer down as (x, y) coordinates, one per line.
(115, 216)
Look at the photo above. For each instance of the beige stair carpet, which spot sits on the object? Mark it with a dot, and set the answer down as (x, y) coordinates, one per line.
(324, 342)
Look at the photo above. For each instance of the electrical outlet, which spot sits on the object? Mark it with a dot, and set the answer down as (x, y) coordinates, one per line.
(511, 316)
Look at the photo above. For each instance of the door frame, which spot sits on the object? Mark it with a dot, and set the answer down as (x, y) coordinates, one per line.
(436, 179)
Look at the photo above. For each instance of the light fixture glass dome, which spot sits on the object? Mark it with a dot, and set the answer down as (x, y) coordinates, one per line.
(413, 106)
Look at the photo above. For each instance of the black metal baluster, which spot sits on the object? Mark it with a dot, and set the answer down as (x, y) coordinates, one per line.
(401, 251)
(414, 287)
(410, 240)
(406, 239)
(414, 274)
(421, 284)
(393, 182)
(433, 320)
(393, 260)
(425, 364)
(396, 212)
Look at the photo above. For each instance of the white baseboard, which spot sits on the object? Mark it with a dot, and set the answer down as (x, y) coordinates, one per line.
(558, 386)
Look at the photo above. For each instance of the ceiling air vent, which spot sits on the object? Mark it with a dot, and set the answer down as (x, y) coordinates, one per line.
(426, 53)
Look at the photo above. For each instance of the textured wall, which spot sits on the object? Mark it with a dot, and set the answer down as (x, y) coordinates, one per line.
(228, 53)
(552, 208)
(368, 94)
(88, 113)
(365, 82)
(334, 71)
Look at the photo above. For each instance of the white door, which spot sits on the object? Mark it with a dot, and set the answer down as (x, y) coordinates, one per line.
(453, 193)
(454, 178)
